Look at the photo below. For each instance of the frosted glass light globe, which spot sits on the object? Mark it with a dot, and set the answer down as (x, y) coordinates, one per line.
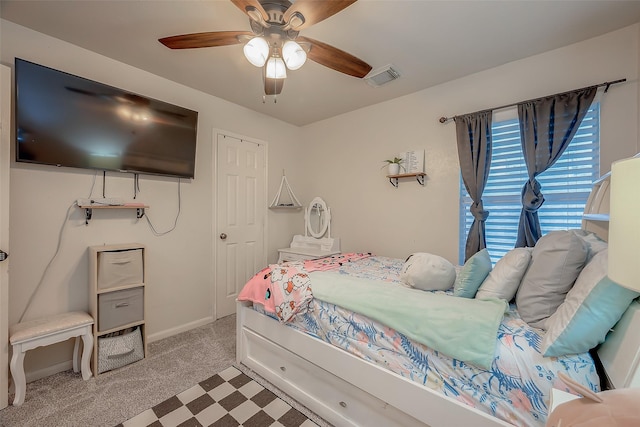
(294, 56)
(275, 68)
(256, 51)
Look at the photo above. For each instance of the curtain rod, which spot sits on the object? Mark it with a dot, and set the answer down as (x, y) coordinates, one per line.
(607, 84)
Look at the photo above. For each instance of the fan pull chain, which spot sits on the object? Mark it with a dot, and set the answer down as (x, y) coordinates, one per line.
(264, 99)
(275, 90)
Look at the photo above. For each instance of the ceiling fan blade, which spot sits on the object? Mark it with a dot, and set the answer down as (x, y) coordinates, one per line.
(209, 39)
(314, 11)
(250, 7)
(335, 58)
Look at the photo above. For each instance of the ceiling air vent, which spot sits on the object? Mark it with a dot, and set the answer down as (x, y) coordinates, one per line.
(382, 76)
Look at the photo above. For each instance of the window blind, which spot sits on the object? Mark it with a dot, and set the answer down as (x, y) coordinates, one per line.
(565, 186)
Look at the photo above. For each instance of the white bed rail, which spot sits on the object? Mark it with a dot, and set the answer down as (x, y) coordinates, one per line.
(340, 387)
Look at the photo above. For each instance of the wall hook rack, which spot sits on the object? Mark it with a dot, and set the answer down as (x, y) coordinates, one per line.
(294, 202)
(88, 211)
(393, 179)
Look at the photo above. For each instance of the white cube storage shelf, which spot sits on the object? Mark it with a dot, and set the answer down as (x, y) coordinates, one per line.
(118, 292)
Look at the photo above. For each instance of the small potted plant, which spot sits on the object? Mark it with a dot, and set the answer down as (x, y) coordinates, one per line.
(393, 165)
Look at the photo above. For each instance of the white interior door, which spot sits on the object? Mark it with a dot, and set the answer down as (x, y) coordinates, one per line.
(5, 130)
(241, 213)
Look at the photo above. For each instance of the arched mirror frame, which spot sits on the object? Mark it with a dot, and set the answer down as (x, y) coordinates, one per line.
(325, 220)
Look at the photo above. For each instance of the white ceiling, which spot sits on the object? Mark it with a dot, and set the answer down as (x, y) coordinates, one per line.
(428, 42)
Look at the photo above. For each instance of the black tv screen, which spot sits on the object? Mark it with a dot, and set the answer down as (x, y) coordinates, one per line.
(66, 120)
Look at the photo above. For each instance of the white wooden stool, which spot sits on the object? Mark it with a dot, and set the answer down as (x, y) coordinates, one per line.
(46, 331)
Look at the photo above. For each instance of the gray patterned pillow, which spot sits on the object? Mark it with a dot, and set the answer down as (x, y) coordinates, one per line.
(556, 262)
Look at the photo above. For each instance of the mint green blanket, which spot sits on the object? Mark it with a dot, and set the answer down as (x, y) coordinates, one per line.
(462, 328)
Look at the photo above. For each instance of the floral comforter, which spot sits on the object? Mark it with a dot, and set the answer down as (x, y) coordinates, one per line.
(516, 388)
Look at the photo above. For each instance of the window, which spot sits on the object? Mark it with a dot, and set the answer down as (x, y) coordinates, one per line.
(565, 186)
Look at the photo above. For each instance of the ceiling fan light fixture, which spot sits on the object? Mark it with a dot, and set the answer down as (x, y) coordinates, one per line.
(254, 14)
(275, 68)
(293, 54)
(296, 20)
(256, 51)
(273, 23)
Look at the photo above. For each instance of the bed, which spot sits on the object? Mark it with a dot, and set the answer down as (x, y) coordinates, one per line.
(364, 373)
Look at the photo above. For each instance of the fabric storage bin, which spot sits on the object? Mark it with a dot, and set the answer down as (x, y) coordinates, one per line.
(119, 268)
(120, 308)
(121, 350)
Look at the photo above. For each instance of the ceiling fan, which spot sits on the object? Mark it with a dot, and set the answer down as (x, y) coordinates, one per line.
(274, 42)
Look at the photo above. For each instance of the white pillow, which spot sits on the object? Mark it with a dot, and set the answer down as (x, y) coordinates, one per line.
(503, 281)
(592, 307)
(428, 272)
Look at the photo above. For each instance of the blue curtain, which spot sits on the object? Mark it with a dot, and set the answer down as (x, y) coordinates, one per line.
(473, 133)
(547, 126)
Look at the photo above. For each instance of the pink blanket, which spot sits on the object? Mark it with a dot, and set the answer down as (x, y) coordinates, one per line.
(285, 289)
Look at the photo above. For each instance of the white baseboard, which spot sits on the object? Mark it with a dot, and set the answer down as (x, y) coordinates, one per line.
(48, 371)
(179, 329)
(65, 366)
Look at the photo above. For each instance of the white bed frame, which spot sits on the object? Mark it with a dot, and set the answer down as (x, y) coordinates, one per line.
(348, 391)
(620, 353)
(340, 387)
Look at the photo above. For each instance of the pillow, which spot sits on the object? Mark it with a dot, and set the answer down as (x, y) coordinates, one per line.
(556, 261)
(503, 281)
(595, 243)
(428, 272)
(472, 274)
(592, 307)
(257, 290)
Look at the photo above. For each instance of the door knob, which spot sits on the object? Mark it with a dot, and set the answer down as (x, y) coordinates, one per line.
(223, 236)
(3, 255)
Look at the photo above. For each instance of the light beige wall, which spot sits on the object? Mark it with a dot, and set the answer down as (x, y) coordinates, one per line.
(345, 153)
(180, 264)
(338, 159)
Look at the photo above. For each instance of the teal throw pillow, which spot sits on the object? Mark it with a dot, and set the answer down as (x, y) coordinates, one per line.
(472, 274)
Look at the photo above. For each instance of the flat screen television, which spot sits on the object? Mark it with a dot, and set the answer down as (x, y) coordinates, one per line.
(66, 120)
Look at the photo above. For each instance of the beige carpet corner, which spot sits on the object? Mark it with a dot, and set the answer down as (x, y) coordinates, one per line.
(173, 365)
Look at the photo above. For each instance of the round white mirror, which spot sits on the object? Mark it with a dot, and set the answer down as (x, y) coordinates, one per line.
(317, 217)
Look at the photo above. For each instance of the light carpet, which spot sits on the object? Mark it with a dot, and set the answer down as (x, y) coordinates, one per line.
(173, 365)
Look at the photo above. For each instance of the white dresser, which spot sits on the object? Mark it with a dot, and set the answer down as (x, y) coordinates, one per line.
(307, 248)
(313, 245)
